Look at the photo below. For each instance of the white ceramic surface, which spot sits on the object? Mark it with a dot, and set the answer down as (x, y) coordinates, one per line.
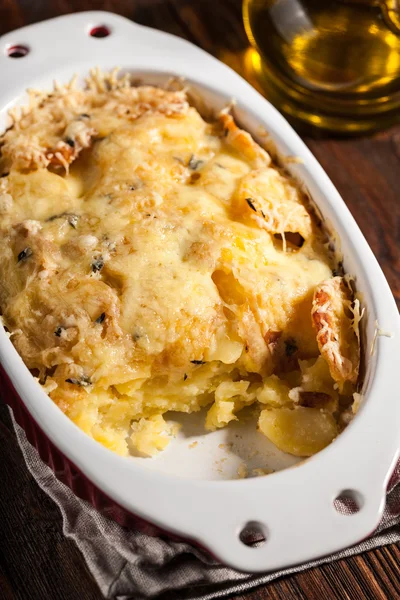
(181, 491)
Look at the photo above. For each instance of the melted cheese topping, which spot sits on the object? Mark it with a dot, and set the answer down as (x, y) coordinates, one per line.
(152, 261)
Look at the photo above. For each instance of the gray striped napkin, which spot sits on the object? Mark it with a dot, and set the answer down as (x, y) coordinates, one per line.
(129, 565)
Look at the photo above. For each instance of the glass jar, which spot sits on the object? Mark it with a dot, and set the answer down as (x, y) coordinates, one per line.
(331, 64)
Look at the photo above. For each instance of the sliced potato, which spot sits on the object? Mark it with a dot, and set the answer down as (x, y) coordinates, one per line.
(275, 204)
(274, 392)
(315, 375)
(299, 431)
(151, 435)
(220, 414)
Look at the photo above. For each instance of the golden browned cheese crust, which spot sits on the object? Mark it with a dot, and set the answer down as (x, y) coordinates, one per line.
(337, 340)
(151, 261)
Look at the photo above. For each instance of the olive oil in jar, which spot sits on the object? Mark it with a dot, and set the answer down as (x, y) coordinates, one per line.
(332, 64)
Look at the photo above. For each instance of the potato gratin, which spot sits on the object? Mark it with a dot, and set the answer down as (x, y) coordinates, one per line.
(151, 261)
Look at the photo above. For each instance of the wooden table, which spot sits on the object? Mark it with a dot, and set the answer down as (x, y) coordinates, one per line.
(36, 561)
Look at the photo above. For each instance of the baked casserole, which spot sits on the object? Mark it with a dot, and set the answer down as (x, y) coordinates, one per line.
(154, 261)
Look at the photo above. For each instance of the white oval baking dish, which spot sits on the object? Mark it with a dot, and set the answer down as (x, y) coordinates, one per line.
(294, 506)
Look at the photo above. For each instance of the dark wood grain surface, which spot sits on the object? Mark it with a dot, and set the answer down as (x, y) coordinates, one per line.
(36, 561)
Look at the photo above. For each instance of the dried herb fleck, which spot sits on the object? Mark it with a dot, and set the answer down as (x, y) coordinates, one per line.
(194, 163)
(250, 203)
(198, 362)
(24, 254)
(70, 142)
(82, 382)
(338, 271)
(84, 116)
(185, 377)
(101, 318)
(290, 347)
(59, 331)
(71, 218)
(98, 264)
(54, 217)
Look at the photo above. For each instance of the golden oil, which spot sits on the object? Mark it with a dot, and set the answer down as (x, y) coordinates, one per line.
(331, 64)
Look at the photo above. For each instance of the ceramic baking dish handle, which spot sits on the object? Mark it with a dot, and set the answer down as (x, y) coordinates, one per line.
(327, 503)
